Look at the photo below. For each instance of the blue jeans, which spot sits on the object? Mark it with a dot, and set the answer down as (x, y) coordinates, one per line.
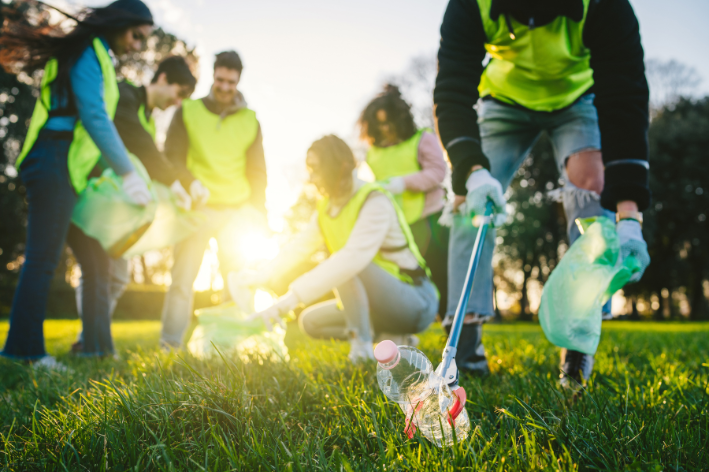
(95, 293)
(118, 280)
(51, 199)
(508, 134)
(227, 225)
(372, 302)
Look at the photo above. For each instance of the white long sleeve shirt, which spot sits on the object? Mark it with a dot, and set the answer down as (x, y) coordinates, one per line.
(377, 227)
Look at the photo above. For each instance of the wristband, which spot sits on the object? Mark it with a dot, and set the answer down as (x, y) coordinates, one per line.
(629, 215)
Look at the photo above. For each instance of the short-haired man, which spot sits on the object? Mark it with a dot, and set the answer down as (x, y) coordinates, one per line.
(172, 81)
(573, 69)
(216, 145)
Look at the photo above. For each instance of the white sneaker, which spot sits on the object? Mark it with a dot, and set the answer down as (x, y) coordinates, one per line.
(360, 350)
(51, 364)
(399, 339)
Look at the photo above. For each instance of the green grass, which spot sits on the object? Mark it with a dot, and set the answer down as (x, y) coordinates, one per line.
(645, 408)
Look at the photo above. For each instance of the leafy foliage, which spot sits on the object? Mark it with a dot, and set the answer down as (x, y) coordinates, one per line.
(676, 230)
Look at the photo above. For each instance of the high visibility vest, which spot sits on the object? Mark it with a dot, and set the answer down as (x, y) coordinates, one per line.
(545, 68)
(83, 152)
(147, 123)
(336, 230)
(217, 150)
(396, 161)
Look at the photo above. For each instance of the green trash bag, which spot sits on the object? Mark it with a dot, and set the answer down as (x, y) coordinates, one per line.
(105, 212)
(171, 224)
(590, 272)
(226, 326)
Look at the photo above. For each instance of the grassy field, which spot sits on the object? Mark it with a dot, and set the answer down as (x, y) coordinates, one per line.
(646, 408)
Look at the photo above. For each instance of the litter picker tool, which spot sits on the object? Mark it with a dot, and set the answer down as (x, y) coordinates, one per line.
(448, 364)
(433, 402)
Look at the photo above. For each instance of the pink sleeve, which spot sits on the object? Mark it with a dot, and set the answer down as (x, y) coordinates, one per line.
(433, 166)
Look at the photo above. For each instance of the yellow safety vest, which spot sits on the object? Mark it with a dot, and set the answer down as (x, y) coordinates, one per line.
(148, 124)
(217, 151)
(545, 68)
(396, 161)
(83, 152)
(336, 230)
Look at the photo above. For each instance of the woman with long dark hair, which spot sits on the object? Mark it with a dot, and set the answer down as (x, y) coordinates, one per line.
(375, 268)
(70, 133)
(409, 163)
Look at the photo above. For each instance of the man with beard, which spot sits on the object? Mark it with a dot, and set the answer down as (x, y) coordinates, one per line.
(216, 145)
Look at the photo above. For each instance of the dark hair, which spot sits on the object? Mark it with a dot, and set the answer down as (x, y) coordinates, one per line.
(25, 46)
(398, 115)
(336, 161)
(230, 60)
(176, 71)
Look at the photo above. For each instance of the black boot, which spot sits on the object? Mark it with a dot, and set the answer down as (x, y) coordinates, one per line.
(470, 357)
(576, 368)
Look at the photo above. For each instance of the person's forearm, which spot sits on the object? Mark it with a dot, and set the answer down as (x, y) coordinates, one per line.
(138, 141)
(459, 70)
(87, 87)
(362, 245)
(612, 34)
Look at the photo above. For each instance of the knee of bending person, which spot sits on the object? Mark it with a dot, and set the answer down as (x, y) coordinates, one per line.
(585, 170)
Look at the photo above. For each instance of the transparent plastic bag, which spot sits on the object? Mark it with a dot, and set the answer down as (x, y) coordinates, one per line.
(590, 272)
(226, 326)
(170, 225)
(105, 212)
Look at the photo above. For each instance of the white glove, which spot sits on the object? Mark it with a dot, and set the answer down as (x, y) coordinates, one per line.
(184, 200)
(199, 193)
(395, 185)
(483, 187)
(136, 188)
(274, 314)
(631, 240)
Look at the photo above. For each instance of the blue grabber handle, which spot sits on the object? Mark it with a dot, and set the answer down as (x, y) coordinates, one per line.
(452, 343)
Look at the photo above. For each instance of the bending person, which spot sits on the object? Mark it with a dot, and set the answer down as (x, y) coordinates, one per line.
(555, 67)
(374, 266)
(135, 123)
(70, 132)
(409, 163)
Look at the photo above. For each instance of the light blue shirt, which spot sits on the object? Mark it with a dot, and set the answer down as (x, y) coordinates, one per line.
(87, 86)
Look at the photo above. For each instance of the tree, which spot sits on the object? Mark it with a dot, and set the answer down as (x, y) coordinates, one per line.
(669, 81)
(676, 228)
(17, 97)
(416, 85)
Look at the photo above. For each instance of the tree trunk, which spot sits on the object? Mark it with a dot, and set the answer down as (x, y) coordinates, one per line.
(634, 314)
(674, 313)
(524, 313)
(498, 315)
(658, 314)
(147, 279)
(697, 301)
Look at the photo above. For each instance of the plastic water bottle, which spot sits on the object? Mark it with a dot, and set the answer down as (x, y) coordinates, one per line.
(406, 376)
(400, 369)
(428, 407)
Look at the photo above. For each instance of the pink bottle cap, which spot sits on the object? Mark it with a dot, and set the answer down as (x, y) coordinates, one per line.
(386, 352)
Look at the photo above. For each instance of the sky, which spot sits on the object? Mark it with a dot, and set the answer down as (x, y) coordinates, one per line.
(312, 65)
